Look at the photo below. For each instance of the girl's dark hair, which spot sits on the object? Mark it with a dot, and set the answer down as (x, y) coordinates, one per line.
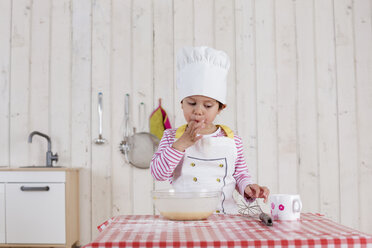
(220, 105)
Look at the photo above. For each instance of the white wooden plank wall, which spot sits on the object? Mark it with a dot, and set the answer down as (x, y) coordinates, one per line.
(163, 62)
(80, 109)
(5, 51)
(347, 118)
(101, 76)
(266, 94)
(362, 23)
(326, 88)
(246, 83)
(300, 93)
(307, 116)
(121, 181)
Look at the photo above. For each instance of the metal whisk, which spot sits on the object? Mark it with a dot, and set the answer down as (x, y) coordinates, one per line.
(254, 210)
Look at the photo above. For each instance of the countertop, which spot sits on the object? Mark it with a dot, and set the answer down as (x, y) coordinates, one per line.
(226, 231)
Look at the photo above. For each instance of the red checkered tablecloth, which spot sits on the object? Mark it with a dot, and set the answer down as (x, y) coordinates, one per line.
(313, 230)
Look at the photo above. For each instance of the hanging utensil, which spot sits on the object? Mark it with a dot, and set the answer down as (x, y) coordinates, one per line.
(254, 210)
(138, 148)
(124, 144)
(100, 140)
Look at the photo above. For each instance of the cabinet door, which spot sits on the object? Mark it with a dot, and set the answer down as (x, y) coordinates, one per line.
(35, 213)
(2, 213)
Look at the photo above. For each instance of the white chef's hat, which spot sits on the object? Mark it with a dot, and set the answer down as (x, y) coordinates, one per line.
(202, 71)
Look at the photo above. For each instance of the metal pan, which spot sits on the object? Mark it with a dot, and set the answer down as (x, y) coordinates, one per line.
(137, 148)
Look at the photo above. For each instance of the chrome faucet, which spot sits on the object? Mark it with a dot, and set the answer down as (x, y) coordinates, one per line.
(49, 155)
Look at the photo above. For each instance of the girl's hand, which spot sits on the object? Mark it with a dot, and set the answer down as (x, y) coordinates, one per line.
(257, 191)
(190, 136)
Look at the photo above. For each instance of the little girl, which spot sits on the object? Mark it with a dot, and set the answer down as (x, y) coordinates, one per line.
(201, 155)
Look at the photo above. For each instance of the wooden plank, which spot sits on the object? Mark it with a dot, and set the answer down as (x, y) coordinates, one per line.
(122, 198)
(72, 207)
(308, 173)
(225, 41)
(60, 80)
(39, 79)
(266, 95)
(204, 23)
(142, 83)
(363, 68)
(246, 86)
(19, 84)
(163, 63)
(183, 36)
(81, 143)
(347, 120)
(5, 35)
(101, 153)
(327, 110)
(287, 95)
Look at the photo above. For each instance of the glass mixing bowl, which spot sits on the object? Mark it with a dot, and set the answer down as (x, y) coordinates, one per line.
(175, 205)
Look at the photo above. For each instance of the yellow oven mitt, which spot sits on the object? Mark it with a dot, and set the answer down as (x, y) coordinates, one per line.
(159, 121)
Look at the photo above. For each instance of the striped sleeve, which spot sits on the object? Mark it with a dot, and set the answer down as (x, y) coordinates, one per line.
(166, 158)
(242, 176)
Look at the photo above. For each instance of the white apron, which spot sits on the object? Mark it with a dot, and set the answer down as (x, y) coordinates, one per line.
(209, 164)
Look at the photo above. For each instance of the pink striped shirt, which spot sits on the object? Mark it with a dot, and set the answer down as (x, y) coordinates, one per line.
(167, 158)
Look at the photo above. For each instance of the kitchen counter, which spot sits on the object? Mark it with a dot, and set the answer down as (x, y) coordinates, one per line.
(39, 207)
(37, 168)
(226, 231)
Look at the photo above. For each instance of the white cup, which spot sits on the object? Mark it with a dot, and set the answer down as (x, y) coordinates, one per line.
(285, 206)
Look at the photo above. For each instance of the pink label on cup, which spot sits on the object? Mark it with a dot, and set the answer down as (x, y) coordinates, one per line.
(285, 206)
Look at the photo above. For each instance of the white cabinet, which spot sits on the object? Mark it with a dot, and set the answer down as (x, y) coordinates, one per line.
(39, 207)
(35, 213)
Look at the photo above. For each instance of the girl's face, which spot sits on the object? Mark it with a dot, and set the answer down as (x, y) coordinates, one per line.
(200, 108)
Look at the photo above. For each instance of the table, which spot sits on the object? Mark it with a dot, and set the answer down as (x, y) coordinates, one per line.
(313, 230)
